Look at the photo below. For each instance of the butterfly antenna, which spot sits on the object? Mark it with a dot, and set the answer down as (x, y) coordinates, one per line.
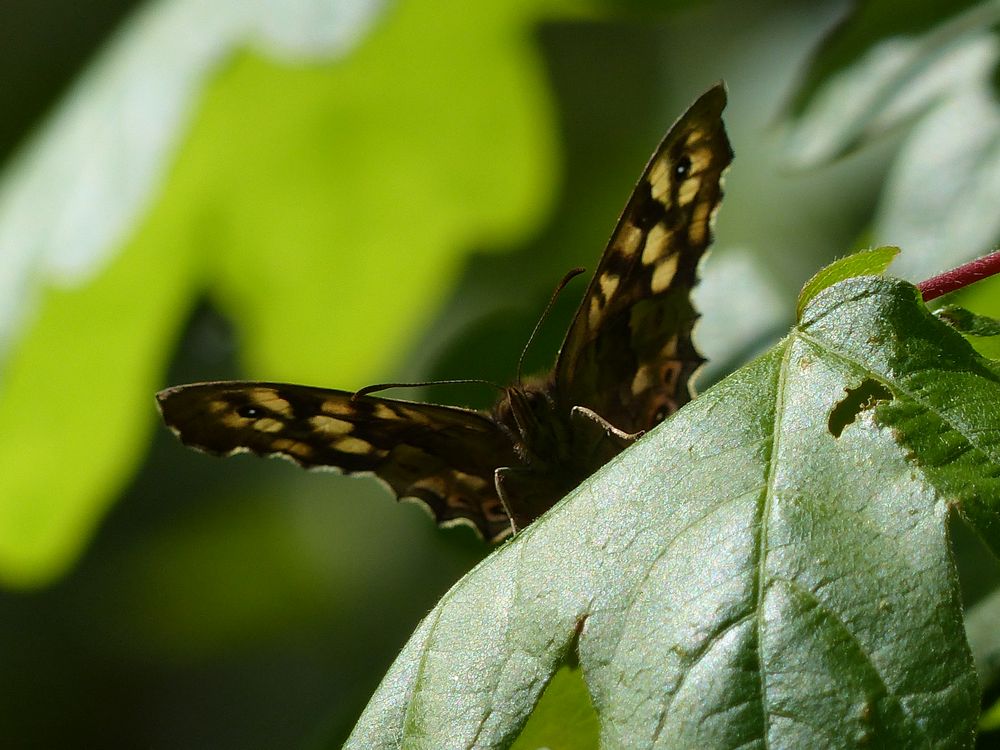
(384, 386)
(573, 272)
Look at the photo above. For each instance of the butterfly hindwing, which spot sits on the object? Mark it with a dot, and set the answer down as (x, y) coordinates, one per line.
(628, 354)
(443, 456)
(626, 362)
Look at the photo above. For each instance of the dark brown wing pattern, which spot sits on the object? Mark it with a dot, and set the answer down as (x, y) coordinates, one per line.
(443, 456)
(628, 358)
(628, 354)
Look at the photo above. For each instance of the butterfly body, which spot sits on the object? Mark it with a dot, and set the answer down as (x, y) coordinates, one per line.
(528, 414)
(625, 364)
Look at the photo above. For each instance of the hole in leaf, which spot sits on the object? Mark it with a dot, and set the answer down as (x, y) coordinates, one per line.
(857, 400)
(564, 716)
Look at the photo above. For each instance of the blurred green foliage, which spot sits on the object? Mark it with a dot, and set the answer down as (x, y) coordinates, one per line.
(398, 209)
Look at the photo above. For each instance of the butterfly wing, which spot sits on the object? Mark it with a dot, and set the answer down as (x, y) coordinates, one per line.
(443, 456)
(628, 354)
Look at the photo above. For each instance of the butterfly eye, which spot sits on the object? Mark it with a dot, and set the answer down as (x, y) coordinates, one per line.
(249, 412)
(682, 167)
(661, 414)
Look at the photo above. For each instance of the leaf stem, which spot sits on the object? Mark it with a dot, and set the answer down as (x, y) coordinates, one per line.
(960, 277)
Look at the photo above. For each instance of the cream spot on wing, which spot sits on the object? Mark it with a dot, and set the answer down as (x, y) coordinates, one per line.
(659, 179)
(302, 450)
(628, 240)
(664, 274)
(353, 445)
(433, 484)
(700, 159)
(233, 420)
(699, 225)
(269, 399)
(292, 448)
(470, 480)
(330, 425)
(656, 244)
(494, 512)
(216, 406)
(594, 314)
(643, 380)
(671, 374)
(382, 411)
(415, 415)
(609, 283)
(689, 190)
(669, 349)
(339, 408)
(266, 424)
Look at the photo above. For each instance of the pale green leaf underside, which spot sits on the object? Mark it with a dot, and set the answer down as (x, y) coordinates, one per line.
(741, 577)
(884, 81)
(925, 71)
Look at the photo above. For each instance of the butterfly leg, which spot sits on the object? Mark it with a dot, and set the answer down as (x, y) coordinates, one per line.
(627, 438)
(525, 494)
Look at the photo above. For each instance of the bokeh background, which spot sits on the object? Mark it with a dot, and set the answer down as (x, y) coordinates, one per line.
(340, 192)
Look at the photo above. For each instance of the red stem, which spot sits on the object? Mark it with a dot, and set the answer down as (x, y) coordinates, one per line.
(960, 277)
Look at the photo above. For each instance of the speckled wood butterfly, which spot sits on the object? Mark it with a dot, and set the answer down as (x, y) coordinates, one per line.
(626, 363)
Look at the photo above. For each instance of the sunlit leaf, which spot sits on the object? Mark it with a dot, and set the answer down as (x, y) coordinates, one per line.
(326, 207)
(869, 262)
(744, 574)
(73, 195)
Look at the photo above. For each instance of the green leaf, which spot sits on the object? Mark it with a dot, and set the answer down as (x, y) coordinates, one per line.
(743, 575)
(940, 197)
(930, 65)
(991, 718)
(884, 63)
(984, 298)
(869, 24)
(984, 639)
(967, 322)
(74, 193)
(872, 262)
(298, 195)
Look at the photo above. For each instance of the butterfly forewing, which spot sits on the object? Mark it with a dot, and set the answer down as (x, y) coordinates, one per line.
(441, 455)
(627, 358)
(628, 354)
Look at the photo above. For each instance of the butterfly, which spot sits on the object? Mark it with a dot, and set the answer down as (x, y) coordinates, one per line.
(625, 364)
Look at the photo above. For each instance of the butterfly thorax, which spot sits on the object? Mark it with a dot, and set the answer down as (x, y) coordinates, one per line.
(541, 435)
